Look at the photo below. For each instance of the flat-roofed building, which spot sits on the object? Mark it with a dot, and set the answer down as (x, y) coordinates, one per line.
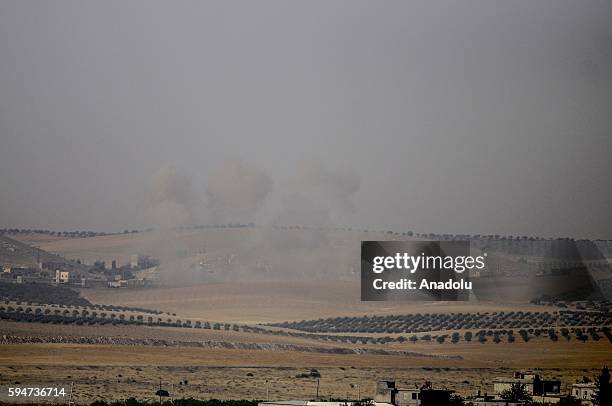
(62, 276)
(584, 392)
(534, 385)
(387, 392)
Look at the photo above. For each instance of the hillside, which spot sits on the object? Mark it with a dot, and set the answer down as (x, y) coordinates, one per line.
(17, 253)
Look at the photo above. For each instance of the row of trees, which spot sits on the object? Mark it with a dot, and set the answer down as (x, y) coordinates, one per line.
(431, 236)
(85, 305)
(497, 336)
(67, 234)
(418, 323)
(87, 317)
(92, 317)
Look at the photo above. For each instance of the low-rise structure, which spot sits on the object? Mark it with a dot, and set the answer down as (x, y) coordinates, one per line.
(25, 275)
(533, 383)
(19, 270)
(94, 283)
(121, 283)
(584, 392)
(62, 276)
(54, 265)
(387, 392)
(134, 259)
(35, 279)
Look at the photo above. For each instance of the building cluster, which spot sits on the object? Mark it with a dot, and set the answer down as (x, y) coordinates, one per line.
(387, 392)
(542, 391)
(45, 273)
(138, 273)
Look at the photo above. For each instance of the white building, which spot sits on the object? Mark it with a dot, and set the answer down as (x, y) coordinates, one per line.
(134, 261)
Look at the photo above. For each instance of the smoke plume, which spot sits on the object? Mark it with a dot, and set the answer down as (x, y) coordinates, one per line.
(171, 199)
(236, 191)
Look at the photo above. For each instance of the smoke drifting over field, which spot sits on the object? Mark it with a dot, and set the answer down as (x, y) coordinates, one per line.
(236, 191)
(318, 196)
(171, 199)
(337, 187)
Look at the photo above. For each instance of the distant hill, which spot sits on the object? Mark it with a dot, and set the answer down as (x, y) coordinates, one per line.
(16, 253)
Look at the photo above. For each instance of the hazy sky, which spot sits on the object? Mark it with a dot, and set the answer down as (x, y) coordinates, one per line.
(459, 116)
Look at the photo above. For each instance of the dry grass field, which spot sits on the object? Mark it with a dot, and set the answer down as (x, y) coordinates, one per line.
(262, 302)
(103, 371)
(540, 352)
(122, 371)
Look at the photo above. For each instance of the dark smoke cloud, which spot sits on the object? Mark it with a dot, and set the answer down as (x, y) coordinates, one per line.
(236, 191)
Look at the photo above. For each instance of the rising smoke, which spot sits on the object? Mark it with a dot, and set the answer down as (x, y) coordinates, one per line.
(236, 191)
(311, 204)
(171, 200)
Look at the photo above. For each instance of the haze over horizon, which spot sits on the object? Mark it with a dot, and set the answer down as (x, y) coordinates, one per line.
(488, 117)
